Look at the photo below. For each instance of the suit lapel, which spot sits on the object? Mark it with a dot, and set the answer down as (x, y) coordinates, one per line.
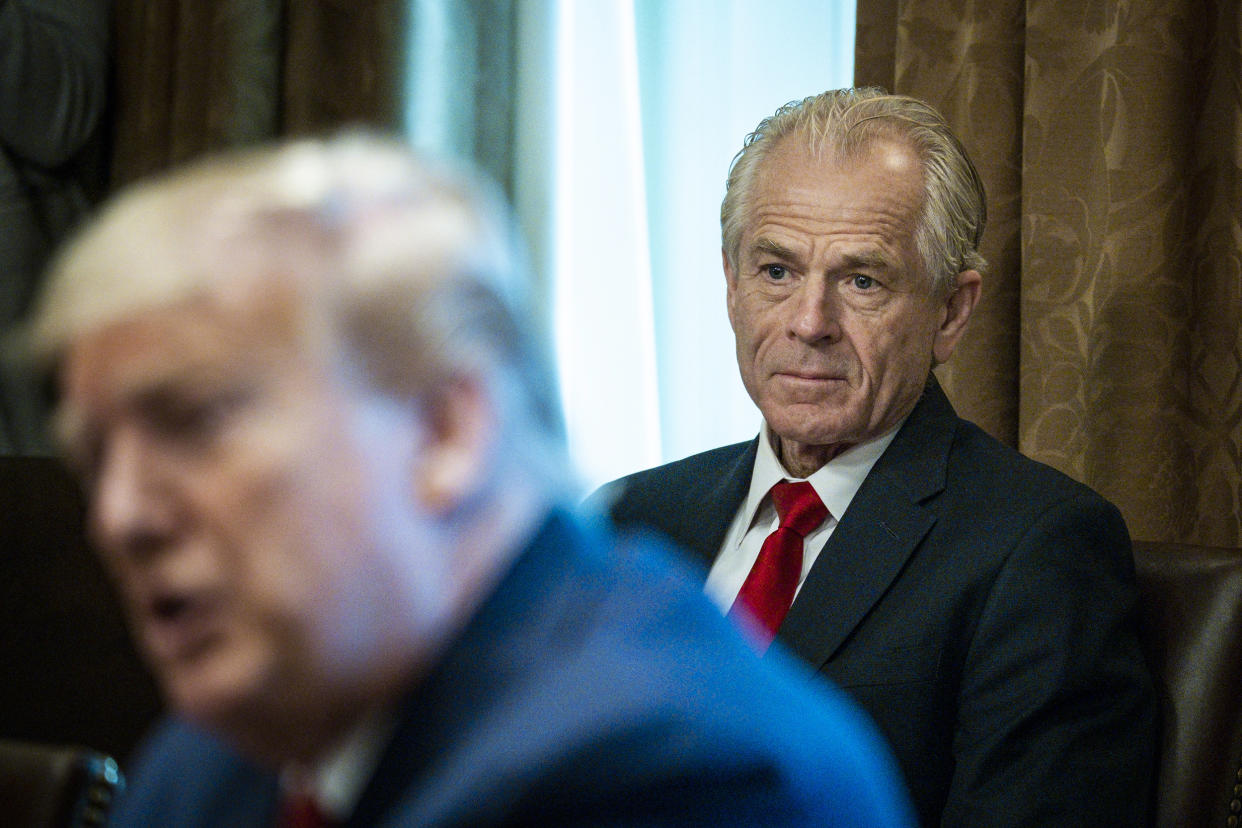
(710, 501)
(725, 495)
(877, 535)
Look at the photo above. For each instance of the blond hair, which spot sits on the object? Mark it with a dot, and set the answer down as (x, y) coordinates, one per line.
(415, 267)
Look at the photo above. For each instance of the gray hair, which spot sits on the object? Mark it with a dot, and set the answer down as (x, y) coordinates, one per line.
(413, 269)
(846, 122)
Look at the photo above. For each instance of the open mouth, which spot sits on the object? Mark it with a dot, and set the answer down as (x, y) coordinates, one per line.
(179, 626)
(169, 608)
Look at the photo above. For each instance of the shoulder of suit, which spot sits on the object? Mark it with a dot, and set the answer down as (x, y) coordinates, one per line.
(695, 464)
(666, 480)
(195, 765)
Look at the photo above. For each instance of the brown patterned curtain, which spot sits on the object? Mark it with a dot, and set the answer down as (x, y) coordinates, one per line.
(1109, 340)
(192, 76)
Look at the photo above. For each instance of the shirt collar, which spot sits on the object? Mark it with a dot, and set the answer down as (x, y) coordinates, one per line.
(836, 482)
(338, 781)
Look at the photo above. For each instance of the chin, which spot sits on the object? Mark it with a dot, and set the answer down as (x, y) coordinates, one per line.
(214, 691)
(817, 430)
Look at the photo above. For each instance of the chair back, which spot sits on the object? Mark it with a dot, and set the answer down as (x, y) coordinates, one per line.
(1192, 608)
(73, 675)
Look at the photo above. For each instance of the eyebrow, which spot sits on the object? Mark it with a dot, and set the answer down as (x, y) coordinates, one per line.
(867, 258)
(875, 259)
(159, 389)
(772, 248)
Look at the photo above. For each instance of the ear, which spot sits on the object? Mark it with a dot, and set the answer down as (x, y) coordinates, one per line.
(957, 310)
(462, 425)
(730, 284)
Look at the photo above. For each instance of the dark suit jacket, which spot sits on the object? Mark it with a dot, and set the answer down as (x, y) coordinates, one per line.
(980, 606)
(596, 687)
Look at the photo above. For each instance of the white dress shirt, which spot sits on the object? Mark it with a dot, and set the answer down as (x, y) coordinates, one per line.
(836, 483)
(338, 781)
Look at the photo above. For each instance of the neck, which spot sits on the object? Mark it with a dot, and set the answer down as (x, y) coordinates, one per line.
(802, 460)
(292, 734)
(493, 531)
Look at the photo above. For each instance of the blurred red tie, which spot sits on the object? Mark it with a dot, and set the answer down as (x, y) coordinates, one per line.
(769, 589)
(301, 810)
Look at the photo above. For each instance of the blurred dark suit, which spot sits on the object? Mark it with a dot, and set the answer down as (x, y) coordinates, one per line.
(595, 687)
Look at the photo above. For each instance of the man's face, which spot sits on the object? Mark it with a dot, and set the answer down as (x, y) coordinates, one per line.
(253, 507)
(835, 320)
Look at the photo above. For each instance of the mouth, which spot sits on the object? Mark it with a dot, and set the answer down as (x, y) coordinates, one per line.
(179, 626)
(810, 377)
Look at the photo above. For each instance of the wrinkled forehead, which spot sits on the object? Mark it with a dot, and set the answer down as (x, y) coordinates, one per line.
(174, 357)
(202, 334)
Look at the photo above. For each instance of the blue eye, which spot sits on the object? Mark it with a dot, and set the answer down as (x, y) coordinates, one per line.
(862, 282)
(775, 272)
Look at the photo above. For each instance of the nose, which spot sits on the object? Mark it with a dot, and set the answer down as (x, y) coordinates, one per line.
(130, 513)
(814, 312)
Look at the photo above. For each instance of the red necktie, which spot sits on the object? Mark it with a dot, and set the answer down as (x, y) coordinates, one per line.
(300, 810)
(769, 588)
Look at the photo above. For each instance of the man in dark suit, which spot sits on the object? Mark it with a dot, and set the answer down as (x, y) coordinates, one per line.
(324, 466)
(980, 606)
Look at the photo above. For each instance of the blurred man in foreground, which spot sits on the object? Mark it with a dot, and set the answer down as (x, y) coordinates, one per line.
(980, 606)
(324, 465)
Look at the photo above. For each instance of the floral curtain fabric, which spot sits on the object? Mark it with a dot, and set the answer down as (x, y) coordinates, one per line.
(1109, 340)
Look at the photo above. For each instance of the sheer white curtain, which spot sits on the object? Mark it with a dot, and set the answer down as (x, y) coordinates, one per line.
(629, 145)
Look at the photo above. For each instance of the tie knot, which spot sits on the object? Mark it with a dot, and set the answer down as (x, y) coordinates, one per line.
(798, 506)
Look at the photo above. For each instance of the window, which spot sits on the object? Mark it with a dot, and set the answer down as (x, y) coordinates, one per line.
(626, 114)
